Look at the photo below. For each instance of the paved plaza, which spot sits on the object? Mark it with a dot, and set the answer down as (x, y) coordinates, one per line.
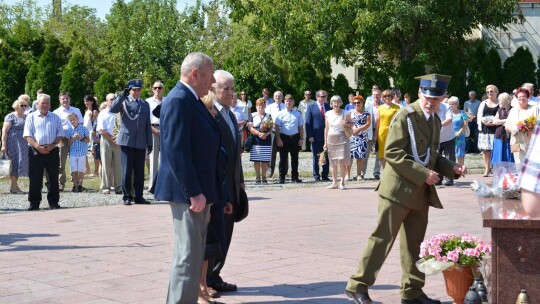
(297, 246)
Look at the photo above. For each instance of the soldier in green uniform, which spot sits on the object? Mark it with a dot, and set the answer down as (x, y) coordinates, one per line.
(406, 191)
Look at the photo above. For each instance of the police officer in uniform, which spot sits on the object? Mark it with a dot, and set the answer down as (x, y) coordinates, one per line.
(134, 138)
(406, 191)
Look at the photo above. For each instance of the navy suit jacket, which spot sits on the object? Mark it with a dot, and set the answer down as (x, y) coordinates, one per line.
(315, 121)
(233, 170)
(190, 142)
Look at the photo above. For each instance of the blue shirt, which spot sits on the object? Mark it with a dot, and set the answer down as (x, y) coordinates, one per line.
(78, 147)
(43, 129)
(289, 122)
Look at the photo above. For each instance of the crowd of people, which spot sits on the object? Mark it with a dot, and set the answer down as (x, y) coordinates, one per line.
(192, 142)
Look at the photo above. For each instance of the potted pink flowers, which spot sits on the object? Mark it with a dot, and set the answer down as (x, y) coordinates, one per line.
(456, 256)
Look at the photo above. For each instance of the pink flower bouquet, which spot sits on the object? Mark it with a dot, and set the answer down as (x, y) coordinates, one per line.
(443, 251)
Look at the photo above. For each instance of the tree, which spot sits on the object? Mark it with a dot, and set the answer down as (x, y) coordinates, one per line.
(12, 74)
(105, 85)
(73, 80)
(45, 74)
(376, 35)
(341, 88)
(491, 69)
(518, 69)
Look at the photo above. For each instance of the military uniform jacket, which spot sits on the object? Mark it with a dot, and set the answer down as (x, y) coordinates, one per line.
(135, 130)
(403, 179)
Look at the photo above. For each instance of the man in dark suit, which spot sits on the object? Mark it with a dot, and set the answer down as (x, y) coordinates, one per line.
(234, 177)
(187, 177)
(315, 123)
(406, 191)
(134, 137)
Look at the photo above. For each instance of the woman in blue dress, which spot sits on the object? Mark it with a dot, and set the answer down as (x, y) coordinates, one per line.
(359, 139)
(261, 151)
(459, 122)
(14, 146)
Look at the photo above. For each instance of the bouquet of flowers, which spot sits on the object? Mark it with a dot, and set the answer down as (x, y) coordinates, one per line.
(322, 157)
(527, 125)
(267, 124)
(443, 251)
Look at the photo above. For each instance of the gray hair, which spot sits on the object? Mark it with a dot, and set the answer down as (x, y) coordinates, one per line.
(527, 85)
(336, 98)
(110, 96)
(194, 60)
(44, 96)
(222, 74)
(504, 97)
(453, 100)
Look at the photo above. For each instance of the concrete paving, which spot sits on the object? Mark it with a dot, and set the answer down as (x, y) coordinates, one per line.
(297, 246)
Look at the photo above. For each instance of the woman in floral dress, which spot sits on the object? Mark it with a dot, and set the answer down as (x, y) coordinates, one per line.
(14, 146)
(359, 140)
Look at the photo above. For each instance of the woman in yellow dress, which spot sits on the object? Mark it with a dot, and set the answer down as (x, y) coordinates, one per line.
(385, 113)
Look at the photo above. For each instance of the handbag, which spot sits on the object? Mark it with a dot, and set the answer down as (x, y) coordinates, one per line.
(348, 130)
(242, 209)
(467, 131)
(5, 165)
(248, 144)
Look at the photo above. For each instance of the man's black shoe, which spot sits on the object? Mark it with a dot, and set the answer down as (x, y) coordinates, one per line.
(326, 179)
(55, 206)
(142, 202)
(127, 202)
(359, 297)
(296, 180)
(281, 181)
(377, 177)
(423, 299)
(34, 206)
(224, 287)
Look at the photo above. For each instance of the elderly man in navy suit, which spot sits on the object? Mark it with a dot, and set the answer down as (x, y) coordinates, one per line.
(188, 175)
(315, 132)
(134, 137)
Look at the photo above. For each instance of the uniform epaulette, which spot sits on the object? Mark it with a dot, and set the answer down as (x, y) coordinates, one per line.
(409, 109)
(406, 110)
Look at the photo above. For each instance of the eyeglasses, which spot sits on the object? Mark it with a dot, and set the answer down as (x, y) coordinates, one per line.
(136, 89)
(323, 96)
(157, 88)
(387, 96)
(488, 92)
(23, 105)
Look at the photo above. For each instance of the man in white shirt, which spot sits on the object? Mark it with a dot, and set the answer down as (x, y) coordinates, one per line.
(63, 112)
(533, 100)
(153, 102)
(111, 166)
(447, 147)
(274, 109)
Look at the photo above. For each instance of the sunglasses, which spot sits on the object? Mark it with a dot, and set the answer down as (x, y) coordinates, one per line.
(23, 106)
(157, 88)
(488, 92)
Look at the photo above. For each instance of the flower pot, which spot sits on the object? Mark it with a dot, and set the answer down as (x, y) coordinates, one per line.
(458, 280)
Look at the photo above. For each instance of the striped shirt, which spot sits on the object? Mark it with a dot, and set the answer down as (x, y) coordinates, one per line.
(78, 147)
(43, 129)
(529, 178)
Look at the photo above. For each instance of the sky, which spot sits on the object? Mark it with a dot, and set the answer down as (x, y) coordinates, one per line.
(102, 6)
